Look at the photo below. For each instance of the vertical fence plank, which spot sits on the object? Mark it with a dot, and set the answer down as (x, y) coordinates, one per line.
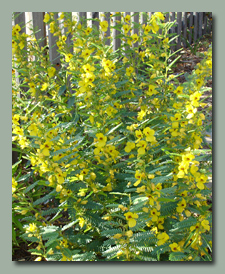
(105, 16)
(39, 28)
(195, 26)
(82, 16)
(134, 19)
(95, 15)
(54, 56)
(200, 24)
(190, 27)
(210, 22)
(172, 30)
(179, 25)
(69, 41)
(116, 41)
(185, 29)
(167, 17)
(204, 23)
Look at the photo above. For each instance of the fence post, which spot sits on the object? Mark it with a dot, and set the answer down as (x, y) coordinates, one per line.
(195, 26)
(39, 28)
(106, 17)
(204, 23)
(172, 17)
(116, 41)
(95, 15)
(179, 24)
(82, 16)
(185, 29)
(200, 24)
(190, 27)
(134, 19)
(54, 56)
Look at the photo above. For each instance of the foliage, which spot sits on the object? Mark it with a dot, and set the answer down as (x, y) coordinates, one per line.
(110, 147)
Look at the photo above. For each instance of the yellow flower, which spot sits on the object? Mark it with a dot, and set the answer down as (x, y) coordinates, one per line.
(134, 37)
(138, 134)
(86, 53)
(149, 133)
(101, 140)
(130, 217)
(162, 238)
(46, 18)
(81, 221)
(44, 86)
(142, 144)
(68, 57)
(32, 228)
(104, 26)
(205, 224)
(174, 247)
(127, 18)
(129, 70)
(129, 233)
(14, 185)
(181, 206)
(51, 71)
(154, 215)
(140, 189)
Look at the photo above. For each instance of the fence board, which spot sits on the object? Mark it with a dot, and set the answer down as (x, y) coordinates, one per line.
(185, 29)
(54, 56)
(40, 28)
(179, 25)
(95, 15)
(116, 41)
(134, 19)
(195, 26)
(105, 16)
(190, 27)
(69, 41)
(204, 23)
(81, 17)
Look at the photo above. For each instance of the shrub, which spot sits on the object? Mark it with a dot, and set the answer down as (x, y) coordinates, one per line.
(111, 159)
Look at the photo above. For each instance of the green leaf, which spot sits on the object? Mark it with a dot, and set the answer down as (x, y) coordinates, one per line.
(176, 256)
(69, 225)
(61, 90)
(71, 102)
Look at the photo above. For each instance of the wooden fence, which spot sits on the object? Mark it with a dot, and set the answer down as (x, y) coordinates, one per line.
(190, 26)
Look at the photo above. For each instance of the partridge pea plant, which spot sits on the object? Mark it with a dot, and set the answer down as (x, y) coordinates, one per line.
(112, 164)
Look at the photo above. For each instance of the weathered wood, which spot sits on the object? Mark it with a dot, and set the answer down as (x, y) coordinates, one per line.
(190, 27)
(200, 24)
(195, 26)
(82, 16)
(95, 24)
(172, 17)
(69, 41)
(105, 16)
(167, 17)
(204, 23)
(185, 29)
(135, 19)
(143, 18)
(116, 41)
(39, 28)
(54, 56)
(210, 22)
(179, 25)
